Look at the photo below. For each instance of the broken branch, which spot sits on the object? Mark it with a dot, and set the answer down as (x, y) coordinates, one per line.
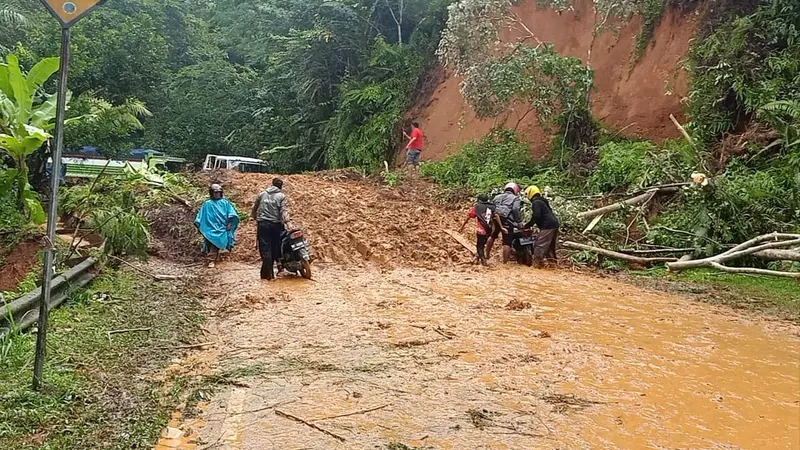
(754, 271)
(129, 330)
(309, 424)
(659, 250)
(184, 347)
(764, 237)
(363, 411)
(736, 252)
(617, 255)
(639, 199)
(779, 254)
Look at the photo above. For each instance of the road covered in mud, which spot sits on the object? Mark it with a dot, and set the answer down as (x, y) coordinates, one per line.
(505, 358)
(398, 340)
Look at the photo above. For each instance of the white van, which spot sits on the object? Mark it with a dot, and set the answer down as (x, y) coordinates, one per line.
(239, 163)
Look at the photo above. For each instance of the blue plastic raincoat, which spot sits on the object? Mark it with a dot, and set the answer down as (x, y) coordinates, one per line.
(212, 220)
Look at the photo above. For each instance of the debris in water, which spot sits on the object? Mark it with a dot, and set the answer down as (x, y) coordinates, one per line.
(518, 305)
(563, 403)
(481, 418)
(541, 334)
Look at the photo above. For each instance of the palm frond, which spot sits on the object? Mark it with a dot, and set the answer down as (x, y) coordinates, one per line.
(788, 108)
(12, 18)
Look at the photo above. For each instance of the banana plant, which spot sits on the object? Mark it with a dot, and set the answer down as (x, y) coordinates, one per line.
(26, 119)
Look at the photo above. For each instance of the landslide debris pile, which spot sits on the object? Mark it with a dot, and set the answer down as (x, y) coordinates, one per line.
(349, 219)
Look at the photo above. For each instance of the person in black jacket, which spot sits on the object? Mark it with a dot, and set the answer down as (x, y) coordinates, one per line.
(547, 222)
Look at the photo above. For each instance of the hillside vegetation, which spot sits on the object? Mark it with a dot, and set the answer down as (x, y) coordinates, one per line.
(742, 135)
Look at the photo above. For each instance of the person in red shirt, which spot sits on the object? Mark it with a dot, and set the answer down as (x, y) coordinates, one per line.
(486, 220)
(415, 144)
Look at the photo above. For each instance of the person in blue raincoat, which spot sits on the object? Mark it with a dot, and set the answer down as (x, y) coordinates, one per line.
(217, 221)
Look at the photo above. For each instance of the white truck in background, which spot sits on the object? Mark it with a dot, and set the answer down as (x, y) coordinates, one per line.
(238, 163)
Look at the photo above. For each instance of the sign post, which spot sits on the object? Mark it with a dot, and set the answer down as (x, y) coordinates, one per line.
(68, 13)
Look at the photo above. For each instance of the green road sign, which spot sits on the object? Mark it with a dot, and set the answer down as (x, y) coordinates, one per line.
(70, 11)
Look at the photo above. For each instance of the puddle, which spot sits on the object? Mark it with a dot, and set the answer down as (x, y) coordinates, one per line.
(179, 435)
(591, 364)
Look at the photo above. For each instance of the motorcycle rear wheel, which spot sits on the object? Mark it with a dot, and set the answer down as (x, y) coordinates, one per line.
(527, 257)
(305, 269)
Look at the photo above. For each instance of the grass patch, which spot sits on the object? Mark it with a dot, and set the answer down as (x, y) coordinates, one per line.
(779, 297)
(98, 392)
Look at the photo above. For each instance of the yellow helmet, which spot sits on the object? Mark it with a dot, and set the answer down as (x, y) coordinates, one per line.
(530, 191)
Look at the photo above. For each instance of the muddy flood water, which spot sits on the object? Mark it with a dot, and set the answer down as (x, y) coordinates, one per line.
(507, 358)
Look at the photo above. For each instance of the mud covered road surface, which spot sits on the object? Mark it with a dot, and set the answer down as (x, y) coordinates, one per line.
(504, 358)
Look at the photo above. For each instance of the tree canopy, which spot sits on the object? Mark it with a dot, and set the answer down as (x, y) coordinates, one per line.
(306, 85)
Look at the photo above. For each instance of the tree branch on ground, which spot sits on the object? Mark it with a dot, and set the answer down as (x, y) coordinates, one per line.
(617, 255)
(639, 199)
(753, 247)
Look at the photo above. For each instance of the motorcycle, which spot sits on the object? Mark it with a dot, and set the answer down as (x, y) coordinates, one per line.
(295, 253)
(522, 245)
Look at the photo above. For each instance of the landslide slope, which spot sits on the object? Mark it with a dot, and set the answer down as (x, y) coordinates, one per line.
(634, 96)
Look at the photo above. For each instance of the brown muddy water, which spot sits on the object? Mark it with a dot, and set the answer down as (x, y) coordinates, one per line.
(509, 358)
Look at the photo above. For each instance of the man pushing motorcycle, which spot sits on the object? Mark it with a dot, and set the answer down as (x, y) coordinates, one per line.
(271, 214)
(507, 206)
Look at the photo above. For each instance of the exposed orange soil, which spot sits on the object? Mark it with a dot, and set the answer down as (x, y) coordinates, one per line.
(637, 96)
(351, 220)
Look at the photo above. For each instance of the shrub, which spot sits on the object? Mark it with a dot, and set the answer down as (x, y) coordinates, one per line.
(485, 164)
(635, 165)
(620, 165)
(740, 203)
(743, 65)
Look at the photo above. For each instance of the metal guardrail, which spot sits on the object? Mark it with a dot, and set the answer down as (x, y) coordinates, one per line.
(24, 311)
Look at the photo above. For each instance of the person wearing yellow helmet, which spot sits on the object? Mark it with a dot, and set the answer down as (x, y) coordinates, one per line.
(547, 222)
(531, 190)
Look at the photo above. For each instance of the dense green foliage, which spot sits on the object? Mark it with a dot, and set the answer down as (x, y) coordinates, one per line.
(306, 84)
(485, 164)
(628, 166)
(742, 66)
(26, 118)
(364, 129)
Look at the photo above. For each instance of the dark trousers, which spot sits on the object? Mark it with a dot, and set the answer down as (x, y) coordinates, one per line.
(482, 238)
(269, 246)
(545, 247)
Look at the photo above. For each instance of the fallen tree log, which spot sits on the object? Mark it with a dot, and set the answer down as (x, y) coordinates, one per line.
(731, 254)
(779, 254)
(639, 199)
(617, 255)
(764, 237)
(782, 246)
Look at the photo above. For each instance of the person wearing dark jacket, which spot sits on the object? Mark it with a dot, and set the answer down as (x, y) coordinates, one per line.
(271, 215)
(508, 207)
(547, 222)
